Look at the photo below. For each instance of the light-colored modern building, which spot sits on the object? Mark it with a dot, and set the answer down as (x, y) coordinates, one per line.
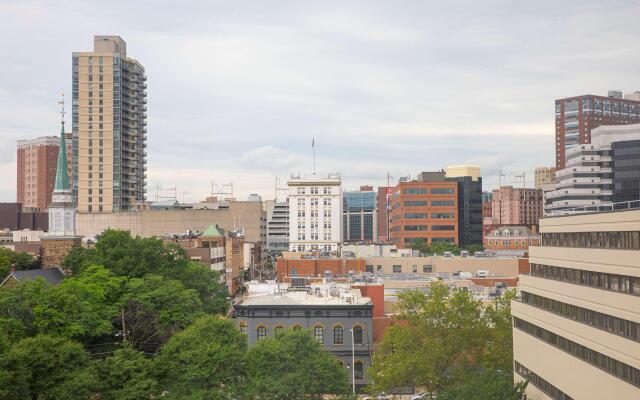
(335, 315)
(109, 128)
(277, 226)
(590, 178)
(315, 212)
(359, 216)
(576, 328)
(544, 175)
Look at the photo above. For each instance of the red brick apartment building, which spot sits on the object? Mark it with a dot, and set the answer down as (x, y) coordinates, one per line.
(36, 161)
(424, 210)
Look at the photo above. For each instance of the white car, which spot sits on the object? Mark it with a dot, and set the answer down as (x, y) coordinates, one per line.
(422, 396)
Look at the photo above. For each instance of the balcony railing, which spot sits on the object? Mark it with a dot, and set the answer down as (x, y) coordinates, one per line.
(624, 205)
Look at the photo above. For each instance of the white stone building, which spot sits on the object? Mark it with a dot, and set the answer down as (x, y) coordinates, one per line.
(315, 212)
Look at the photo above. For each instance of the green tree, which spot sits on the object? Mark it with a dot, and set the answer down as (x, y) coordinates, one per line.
(154, 308)
(484, 385)
(20, 261)
(293, 366)
(135, 257)
(17, 319)
(447, 332)
(82, 306)
(126, 375)
(498, 353)
(205, 361)
(46, 367)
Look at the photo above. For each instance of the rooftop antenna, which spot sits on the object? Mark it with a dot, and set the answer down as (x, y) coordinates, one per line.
(313, 148)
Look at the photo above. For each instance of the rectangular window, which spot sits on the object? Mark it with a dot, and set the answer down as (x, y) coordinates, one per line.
(415, 215)
(314, 190)
(397, 269)
(443, 227)
(443, 215)
(442, 203)
(327, 190)
(414, 191)
(442, 191)
(416, 227)
(427, 269)
(415, 203)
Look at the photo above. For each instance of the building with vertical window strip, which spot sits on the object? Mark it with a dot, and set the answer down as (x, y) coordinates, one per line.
(359, 216)
(576, 331)
(109, 128)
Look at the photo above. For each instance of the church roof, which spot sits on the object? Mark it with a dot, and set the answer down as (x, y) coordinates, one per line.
(62, 175)
(51, 275)
(213, 231)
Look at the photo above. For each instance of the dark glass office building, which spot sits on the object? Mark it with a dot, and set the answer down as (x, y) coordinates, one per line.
(359, 216)
(626, 170)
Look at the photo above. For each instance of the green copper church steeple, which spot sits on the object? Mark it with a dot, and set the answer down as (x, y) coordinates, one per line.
(62, 174)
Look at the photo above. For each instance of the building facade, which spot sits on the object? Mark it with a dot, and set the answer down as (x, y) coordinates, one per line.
(517, 206)
(36, 168)
(579, 309)
(424, 211)
(315, 212)
(277, 226)
(335, 316)
(577, 116)
(109, 128)
(626, 170)
(606, 170)
(359, 216)
(383, 211)
(470, 211)
(510, 241)
(544, 175)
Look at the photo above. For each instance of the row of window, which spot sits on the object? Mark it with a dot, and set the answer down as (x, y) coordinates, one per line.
(599, 240)
(397, 269)
(615, 325)
(318, 332)
(433, 215)
(424, 191)
(604, 362)
(314, 214)
(314, 190)
(537, 381)
(600, 280)
(314, 202)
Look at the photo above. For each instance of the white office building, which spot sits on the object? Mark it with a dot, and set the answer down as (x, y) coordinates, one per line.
(315, 212)
(588, 179)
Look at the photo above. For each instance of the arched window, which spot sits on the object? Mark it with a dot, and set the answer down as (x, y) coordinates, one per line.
(318, 334)
(338, 335)
(297, 328)
(278, 330)
(358, 370)
(357, 334)
(261, 332)
(243, 327)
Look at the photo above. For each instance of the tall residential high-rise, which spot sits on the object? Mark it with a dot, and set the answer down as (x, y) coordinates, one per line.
(424, 210)
(576, 327)
(517, 206)
(600, 173)
(109, 128)
(359, 215)
(36, 167)
(577, 116)
(544, 175)
(315, 212)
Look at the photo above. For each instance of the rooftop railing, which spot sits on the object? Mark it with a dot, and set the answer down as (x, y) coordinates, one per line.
(619, 206)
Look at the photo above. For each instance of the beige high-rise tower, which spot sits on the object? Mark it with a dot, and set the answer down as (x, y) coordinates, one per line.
(109, 128)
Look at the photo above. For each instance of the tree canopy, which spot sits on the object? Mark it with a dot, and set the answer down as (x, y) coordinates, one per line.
(293, 366)
(449, 336)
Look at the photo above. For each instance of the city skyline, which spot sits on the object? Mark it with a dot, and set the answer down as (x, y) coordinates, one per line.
(238, 95)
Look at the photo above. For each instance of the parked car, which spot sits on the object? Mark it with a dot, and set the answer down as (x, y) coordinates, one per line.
(423, 396)
(482, 273)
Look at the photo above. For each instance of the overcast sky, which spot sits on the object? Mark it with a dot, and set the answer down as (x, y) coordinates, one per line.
(238, 90)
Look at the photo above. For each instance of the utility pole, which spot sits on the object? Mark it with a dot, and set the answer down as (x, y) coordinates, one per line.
(353, 363)
(124, 328)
